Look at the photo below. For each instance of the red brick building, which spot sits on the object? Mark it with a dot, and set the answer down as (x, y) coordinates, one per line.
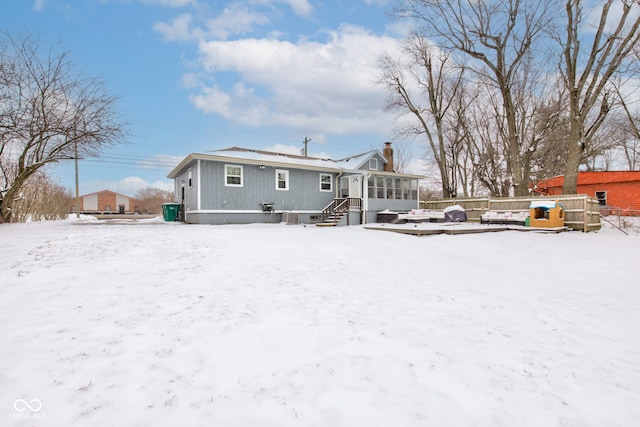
(616, 189)
(109, 202)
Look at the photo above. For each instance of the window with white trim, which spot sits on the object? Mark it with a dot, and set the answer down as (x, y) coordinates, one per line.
(373, 164)
(326, 182)
(282, 179)
(406, 188)
(379, 187)
(190, 177)
(602, 197)
(344, 186)
(233, 175)
(389, 187)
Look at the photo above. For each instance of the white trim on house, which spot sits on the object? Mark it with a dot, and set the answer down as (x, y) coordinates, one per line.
(330, 182)
(283, 162)
(199, 193)
(320, 165)
(602, 196)
(227, 175)
(285, 175)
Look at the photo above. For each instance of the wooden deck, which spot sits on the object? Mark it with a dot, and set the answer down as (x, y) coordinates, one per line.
(423, 229)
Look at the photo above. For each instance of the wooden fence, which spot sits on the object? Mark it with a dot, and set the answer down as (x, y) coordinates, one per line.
(582, 212)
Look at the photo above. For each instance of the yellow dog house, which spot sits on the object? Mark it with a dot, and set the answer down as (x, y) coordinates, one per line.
(546, 214)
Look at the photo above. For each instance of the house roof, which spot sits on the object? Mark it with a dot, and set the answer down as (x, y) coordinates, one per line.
(593, 178)
(548, 204)
(358, 161)
(107, 191)
(269, 158)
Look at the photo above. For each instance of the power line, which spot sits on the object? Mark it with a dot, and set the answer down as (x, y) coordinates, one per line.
(134, 167)
(135, 160)
(141, 162)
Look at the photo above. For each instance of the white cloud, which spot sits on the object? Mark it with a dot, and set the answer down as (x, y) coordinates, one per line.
(162, 161)
(401, 28)
(300, 7)
(178, 30)
(309, 85)
(419, 166)
(38, 5)
(285, 149)
(323, 86)
(234, 20)
(162, 184)
(127, 186)
(190, 80)
(213, 100)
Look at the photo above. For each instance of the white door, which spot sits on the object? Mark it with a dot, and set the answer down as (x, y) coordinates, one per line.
(355, 186)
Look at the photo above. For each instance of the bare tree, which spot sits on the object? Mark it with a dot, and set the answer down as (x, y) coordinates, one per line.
(496, 36)
(587, 73)
(601, 153)
(402, 156)
(42, 199)
(153, 198)
(550, 151)
(424, 88)
(631, 150)
(486, 147)
(485, 133)
(629, 127)
(460, 138)
(629, 143)
(48, 113)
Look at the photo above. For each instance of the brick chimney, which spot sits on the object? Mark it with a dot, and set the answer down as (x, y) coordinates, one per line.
(388, 155)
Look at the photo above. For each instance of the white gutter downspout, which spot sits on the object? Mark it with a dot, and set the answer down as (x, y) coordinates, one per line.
(199, 193)
(365, 197)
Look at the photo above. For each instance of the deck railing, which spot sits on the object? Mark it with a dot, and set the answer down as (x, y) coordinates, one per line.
(341, 206)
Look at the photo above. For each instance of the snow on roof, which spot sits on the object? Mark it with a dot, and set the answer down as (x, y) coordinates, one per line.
(353, 163)
(273, 157)
(547, 204)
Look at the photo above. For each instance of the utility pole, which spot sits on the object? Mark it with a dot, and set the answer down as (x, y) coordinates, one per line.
(306, 141)
(77, 186)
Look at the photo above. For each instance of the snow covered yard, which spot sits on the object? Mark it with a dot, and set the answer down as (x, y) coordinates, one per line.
(154, 324)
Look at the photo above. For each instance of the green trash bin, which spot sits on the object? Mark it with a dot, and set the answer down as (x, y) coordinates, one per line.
(170, 211)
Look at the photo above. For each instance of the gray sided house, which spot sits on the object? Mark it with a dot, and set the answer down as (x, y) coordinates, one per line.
(241, 186)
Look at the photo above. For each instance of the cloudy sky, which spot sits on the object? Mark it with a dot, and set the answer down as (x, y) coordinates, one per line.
(199, 75)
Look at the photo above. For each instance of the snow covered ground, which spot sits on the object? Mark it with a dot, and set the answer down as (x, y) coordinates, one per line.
(158, 324)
